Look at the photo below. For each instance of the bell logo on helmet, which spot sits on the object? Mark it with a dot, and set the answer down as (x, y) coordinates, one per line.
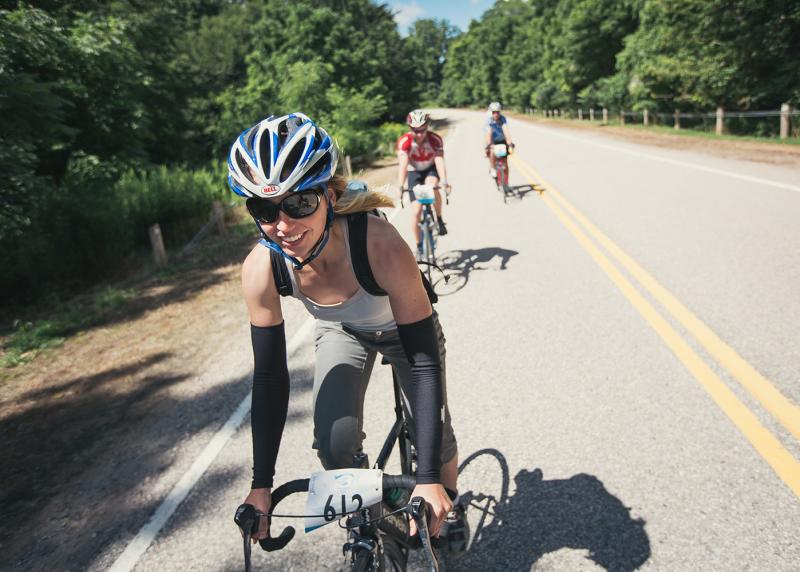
(271, 189)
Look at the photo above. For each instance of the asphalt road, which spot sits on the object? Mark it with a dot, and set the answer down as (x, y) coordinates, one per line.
(601, 339)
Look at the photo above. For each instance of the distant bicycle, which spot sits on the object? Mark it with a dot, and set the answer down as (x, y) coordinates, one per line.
(425, 195)
(501, 152)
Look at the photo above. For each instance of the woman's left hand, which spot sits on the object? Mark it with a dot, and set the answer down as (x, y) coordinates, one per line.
(439, 504)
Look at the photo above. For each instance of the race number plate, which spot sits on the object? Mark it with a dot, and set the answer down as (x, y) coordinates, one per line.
(332, 494)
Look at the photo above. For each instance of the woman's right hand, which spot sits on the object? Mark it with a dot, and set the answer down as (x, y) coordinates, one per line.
(261, 499)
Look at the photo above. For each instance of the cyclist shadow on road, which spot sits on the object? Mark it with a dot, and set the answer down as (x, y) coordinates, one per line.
(457, 265)
(545, 516)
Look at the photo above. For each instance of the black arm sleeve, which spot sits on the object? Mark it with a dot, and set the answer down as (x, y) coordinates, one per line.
(421, 346)
(270, 400)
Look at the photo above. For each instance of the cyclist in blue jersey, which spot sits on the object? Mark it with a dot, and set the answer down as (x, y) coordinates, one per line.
(497, 132)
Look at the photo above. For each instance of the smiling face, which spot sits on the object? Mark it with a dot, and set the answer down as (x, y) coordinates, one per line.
(298, 236)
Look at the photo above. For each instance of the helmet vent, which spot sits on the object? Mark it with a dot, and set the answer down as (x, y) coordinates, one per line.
(290, 164)
(265, 153)
(250, 138)
(244, 167)
(317, 169)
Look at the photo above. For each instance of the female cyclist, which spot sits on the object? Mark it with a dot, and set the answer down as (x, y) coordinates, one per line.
(285, 168)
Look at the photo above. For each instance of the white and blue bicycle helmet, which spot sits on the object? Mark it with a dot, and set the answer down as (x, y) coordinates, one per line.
(282, 155)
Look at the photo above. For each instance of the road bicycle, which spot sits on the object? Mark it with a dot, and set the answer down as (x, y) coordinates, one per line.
(378, 532)
(501, 152)
(429, 230)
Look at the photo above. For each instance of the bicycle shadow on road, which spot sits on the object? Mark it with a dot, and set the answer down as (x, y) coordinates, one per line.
(519, 191)
(457, 265)
(544, 516)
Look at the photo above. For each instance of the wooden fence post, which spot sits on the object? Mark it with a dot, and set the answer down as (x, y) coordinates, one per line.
(591, 114)
(219, 216)
(786, 120)
(605, 116)
(622, 117)
(720, 121)
(646, 117)
(348, 167)
(157, 242)
(580, 114)
(677, 119)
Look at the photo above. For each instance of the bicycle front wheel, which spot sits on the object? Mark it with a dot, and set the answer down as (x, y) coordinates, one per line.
(363, 562)
(394, 557)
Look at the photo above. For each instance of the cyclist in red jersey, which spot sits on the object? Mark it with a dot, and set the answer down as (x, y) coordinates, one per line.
(420, 154)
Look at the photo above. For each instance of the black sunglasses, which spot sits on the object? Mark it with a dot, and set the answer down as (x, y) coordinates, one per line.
(296, 205)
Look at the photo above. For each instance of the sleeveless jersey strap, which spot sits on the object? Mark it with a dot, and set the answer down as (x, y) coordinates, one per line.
(357, 237)
(280, 274)
(357, 233)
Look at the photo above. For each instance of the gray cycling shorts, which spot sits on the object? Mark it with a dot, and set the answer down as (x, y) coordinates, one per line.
(344, 361)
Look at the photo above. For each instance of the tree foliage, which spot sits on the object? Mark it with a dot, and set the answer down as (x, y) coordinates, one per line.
(656, 54)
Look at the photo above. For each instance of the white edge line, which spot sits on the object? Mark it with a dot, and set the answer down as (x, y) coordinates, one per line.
(130, 556)
(133, 552)
(758, 180)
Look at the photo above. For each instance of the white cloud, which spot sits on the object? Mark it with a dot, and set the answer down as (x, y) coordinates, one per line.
(407, 13)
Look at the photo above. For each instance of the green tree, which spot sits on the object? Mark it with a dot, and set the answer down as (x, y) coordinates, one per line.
(426, 47)
(35, 53)
(697, 54)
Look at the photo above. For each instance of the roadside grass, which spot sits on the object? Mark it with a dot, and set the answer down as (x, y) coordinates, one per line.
(666, 130)
(29, 338)
(49, 323)
(711, 136)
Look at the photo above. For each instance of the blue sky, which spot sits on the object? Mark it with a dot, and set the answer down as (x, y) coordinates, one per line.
(459, 12)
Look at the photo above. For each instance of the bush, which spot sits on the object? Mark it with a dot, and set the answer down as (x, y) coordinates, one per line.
(84, 229)
(177, 198)
(388, 134)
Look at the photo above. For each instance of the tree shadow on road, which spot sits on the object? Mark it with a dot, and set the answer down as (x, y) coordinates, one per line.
(457, 265)
(545, 516)
(84, 459)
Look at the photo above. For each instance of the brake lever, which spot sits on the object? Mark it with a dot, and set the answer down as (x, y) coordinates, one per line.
(420, 512)
(246, 518)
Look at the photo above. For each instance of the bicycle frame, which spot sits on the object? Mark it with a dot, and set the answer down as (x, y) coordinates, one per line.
(427, 229)
(501, 178)
(370, 523)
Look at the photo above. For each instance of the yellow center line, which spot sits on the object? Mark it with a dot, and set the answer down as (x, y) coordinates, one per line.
(767, 445)
(787, 413)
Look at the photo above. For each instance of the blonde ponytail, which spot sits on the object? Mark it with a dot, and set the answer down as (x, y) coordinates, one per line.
(349, 201)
